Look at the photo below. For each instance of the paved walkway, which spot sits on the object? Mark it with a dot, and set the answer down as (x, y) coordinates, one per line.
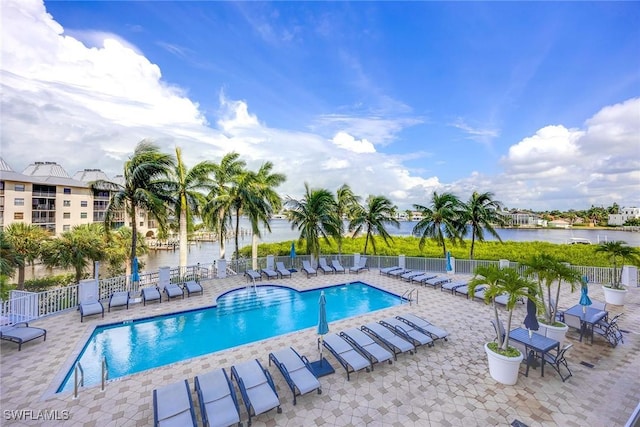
(447, 385)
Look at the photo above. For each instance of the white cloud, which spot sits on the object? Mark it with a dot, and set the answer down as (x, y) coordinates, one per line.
(349, 143)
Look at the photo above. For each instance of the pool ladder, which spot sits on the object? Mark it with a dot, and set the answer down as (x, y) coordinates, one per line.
(78, 377)
(408, 295)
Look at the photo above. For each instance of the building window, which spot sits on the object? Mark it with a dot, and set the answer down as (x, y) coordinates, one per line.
(66, 215)
(67, 191)
(66, 203)
(83, 215)
(83, 204)
(66, 227)
(19, 187)
(18, 202)
(18, 215)
(141, 223)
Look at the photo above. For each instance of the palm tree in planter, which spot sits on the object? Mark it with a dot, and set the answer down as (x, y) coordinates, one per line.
(504, 361)
(615, 291)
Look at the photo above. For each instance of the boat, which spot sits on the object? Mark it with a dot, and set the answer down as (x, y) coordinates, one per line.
(578, 241)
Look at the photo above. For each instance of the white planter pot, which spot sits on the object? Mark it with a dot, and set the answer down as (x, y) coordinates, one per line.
(501, 368)
(557, 333)
(614, 296)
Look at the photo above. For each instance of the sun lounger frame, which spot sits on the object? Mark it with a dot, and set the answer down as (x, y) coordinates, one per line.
(245, 397)
(324, 267)
(424, 276)
(253, 275)
(203, 405)
(285, 373)
(156, 404)
(192, 287)
(366, 353)
(346, 365)
(308, 269)
(152, 296)
(399, 328)
(394, 349)
(283, 271)
(433, 335)
(269, 273)
(338, 267)
(21, 338)
(90, 308)
(117, 296)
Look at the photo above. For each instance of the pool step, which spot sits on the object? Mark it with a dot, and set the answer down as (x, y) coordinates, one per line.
(254, 301)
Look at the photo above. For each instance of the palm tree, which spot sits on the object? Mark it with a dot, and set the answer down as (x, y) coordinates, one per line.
(218, 208)
(26, 240)
(117, 249)
(10, 258)
(372, 218)
(315, 217)
(619, 250)
(184, 187)
(441, 219)
(347, 202)
(481, 212)
(75, 249)
(144, 188)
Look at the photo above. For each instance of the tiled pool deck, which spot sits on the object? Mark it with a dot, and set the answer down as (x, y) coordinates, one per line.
(447, 385)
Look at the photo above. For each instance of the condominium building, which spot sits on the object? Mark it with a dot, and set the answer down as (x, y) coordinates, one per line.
(44, 194)
(624, 215)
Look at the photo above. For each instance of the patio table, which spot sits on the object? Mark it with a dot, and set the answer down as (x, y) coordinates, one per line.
(535, 344)
(588, 317)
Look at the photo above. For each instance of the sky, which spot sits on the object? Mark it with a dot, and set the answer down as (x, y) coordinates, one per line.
(536, 102)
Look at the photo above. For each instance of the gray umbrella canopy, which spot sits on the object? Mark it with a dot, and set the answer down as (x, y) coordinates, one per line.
(323, 325)
(531, 320)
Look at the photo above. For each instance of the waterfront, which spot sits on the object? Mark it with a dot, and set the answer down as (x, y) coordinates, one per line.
(206, 252)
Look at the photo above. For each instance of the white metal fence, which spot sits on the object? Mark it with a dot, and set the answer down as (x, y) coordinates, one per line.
(24, 306)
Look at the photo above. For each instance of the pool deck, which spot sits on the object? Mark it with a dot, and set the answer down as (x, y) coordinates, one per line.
(446, 385)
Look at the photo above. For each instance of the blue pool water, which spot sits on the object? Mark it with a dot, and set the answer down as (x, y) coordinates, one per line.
(241, 316)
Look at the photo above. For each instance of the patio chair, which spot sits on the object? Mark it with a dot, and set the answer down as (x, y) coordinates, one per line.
(437, 281)
(257, 388)
(173, 290)
(367, 346)
(408, 332)
(398, 272)
(574, 322)
(21, 333)
(119, 299)
(599, 305)
(324, 267)
(499, 330)
(388, 270)
(172, 406)
(609, 330)
(253, 275)
(90, 307)
(217, 398)
(464, 290)
(296, 371)
(310, 271)
(282, 270)
(152, 293)
(192, 287)
(408, 276)
(424, 325)
(337, 266)
(446, 285)
(362, 265)
(421, 278)
(346, 354)
(271, 274)
(559, 360)
(394, 342)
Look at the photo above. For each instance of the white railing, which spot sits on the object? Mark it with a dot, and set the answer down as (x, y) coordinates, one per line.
(26, 306)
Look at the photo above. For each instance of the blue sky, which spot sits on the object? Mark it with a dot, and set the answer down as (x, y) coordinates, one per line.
(537, 102)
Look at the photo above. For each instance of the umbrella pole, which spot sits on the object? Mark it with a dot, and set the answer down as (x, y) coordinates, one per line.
(321, 341)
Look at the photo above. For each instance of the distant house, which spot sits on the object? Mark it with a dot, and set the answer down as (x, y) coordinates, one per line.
(559, 223)
(625, 215)
(523, 219)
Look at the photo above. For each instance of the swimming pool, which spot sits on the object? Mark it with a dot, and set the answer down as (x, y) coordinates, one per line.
(241, 316)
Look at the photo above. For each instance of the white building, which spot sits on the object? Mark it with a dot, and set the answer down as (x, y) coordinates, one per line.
(625, 215)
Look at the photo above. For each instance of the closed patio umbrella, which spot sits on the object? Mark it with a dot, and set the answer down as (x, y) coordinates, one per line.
(323, 325)
(293, 253)
(449, 267)
(135, 275)
(531, 319)
(584, 294)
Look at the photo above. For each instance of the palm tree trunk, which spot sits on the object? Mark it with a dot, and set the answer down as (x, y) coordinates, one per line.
(21, 277)
(473, 241)
(237, 252)
(183, 243)
(254, 252)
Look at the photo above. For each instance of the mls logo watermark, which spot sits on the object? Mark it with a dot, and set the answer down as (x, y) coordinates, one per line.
(36, 415)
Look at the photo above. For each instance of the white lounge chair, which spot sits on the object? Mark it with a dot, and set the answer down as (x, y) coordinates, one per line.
(324, 267)
(367, 346)
(296, 371)
(21, 333)
(282, 270)
(349, 358)
(217, 398)
(406, 331)
(391, 340)
(424, 325)
(310, 271)
(337, 266)
(257, 388)
(172, 406)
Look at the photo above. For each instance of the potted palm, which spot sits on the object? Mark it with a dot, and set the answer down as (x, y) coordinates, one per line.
(548, 271)
(614, 291)
(504, 360)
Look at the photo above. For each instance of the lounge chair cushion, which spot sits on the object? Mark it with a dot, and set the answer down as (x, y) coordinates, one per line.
(425, 325)
(414, 334)
(369, 345)
(192, 287)
(90, 308)
(119, 299)
(216, 399)
(21, 333)
(344, 350)
(388, 336)
(150, 294)
(173, 406)
(173, 290)
(301, 376)
(261, 396)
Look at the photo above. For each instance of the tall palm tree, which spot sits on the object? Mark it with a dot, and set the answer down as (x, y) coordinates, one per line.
(481, 212)
(619, 251)
(218, 209)
(439, 220)
(314, 215)
(347, 203)
(10, 258)
(145, 174)
(372, 218)
(26, 240)
(184, 186)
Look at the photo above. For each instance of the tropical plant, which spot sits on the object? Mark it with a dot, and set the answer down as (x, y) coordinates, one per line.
(481, 212)
(75, 249)
(439, 220)
(26, 240)
(184, 186)
(145, 174)
(10, 258)
(314, 215)
(218, 209)
(118, 251)
(347, 203)
(503, 281)
(619, 251)
(372, 218)
(548, 270)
